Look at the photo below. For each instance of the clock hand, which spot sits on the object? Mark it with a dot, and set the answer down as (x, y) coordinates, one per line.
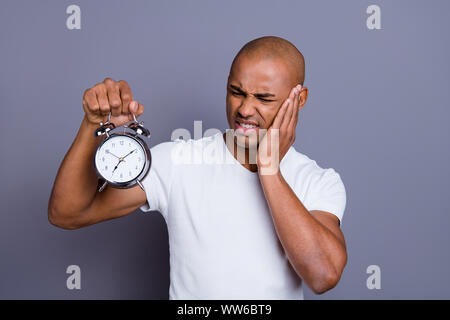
(121, 159)
(129, 154)
(116, 166)
(113, 154)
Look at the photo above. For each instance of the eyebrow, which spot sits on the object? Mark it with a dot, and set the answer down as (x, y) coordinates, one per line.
(257, 95)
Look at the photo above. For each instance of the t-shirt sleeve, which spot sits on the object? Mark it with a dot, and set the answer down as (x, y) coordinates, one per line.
(328, 193)
(158, 180)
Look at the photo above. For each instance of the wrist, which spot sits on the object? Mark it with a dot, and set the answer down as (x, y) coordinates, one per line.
(87, 131)
(269, 175)
(86, 124)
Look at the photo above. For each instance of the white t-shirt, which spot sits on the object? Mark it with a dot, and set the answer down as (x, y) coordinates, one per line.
(222, 241)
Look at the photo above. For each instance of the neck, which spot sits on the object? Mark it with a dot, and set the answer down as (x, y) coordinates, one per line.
(242, 155)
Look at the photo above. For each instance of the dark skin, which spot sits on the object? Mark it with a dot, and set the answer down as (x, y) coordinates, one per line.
(256, 92)
(265, 92)
(261, 89)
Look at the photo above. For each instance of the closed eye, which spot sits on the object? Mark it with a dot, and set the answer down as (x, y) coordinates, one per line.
(236, 93)
(266, 100)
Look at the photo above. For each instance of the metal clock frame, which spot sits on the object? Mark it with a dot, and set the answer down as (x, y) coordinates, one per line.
(138, 130)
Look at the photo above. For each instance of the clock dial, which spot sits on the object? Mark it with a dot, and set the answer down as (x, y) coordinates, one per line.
(120, 159)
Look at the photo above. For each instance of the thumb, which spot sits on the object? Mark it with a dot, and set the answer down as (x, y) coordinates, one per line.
(133, 107)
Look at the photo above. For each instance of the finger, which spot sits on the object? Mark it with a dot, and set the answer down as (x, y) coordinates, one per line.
(289, 112)
(280, 115)
(126, 95)
(90, 102)
(133, 107)
(87, 110)
(297, 97)
(293, 122)
(114, 100)
(136, 109)
(139, 111)
(294, 119)
(102, 97)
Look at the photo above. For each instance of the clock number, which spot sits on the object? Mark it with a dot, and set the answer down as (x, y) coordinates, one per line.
(106, 167)
(121, 142)
(113, 145)
(121, 175)
(107, 151)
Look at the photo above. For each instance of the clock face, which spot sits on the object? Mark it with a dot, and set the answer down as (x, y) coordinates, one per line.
(120, 159)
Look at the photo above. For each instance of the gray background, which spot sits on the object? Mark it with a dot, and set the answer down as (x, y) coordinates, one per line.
(377, 113)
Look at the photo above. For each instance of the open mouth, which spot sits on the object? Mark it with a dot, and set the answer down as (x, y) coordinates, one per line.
(246, 127)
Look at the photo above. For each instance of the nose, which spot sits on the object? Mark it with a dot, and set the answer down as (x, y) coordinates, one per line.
(246, 109)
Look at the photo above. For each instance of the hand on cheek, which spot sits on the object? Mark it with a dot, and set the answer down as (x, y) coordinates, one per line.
(280, 135)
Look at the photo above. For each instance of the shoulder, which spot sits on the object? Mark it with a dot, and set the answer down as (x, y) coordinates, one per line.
(302, 169)
(163, 147)
(318, 188)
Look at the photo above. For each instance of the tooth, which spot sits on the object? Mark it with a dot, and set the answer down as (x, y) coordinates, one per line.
(247, 126)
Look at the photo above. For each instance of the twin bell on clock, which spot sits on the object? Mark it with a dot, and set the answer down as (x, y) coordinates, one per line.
(123, 159)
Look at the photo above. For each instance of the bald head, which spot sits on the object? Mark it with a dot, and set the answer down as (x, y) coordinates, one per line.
(271, 47)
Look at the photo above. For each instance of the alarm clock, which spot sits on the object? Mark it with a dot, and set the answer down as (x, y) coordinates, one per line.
(123, 158)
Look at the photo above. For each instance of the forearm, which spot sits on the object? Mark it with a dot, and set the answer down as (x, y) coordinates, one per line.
(76, 181)
(314, 251)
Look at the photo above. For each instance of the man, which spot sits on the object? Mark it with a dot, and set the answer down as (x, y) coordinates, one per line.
(235, 231)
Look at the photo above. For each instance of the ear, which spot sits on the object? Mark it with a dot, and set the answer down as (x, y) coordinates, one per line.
(303, 97)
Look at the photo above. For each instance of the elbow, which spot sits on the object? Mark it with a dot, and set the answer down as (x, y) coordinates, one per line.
(61, 220)
(329, 277)
(324, 283)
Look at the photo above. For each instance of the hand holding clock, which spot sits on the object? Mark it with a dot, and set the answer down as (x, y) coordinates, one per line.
(110, 96)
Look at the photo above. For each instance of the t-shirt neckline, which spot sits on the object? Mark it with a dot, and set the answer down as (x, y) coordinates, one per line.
(241, 167)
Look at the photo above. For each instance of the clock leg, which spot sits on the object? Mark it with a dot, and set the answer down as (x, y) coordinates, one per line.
(140, 185)
(103, 186)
